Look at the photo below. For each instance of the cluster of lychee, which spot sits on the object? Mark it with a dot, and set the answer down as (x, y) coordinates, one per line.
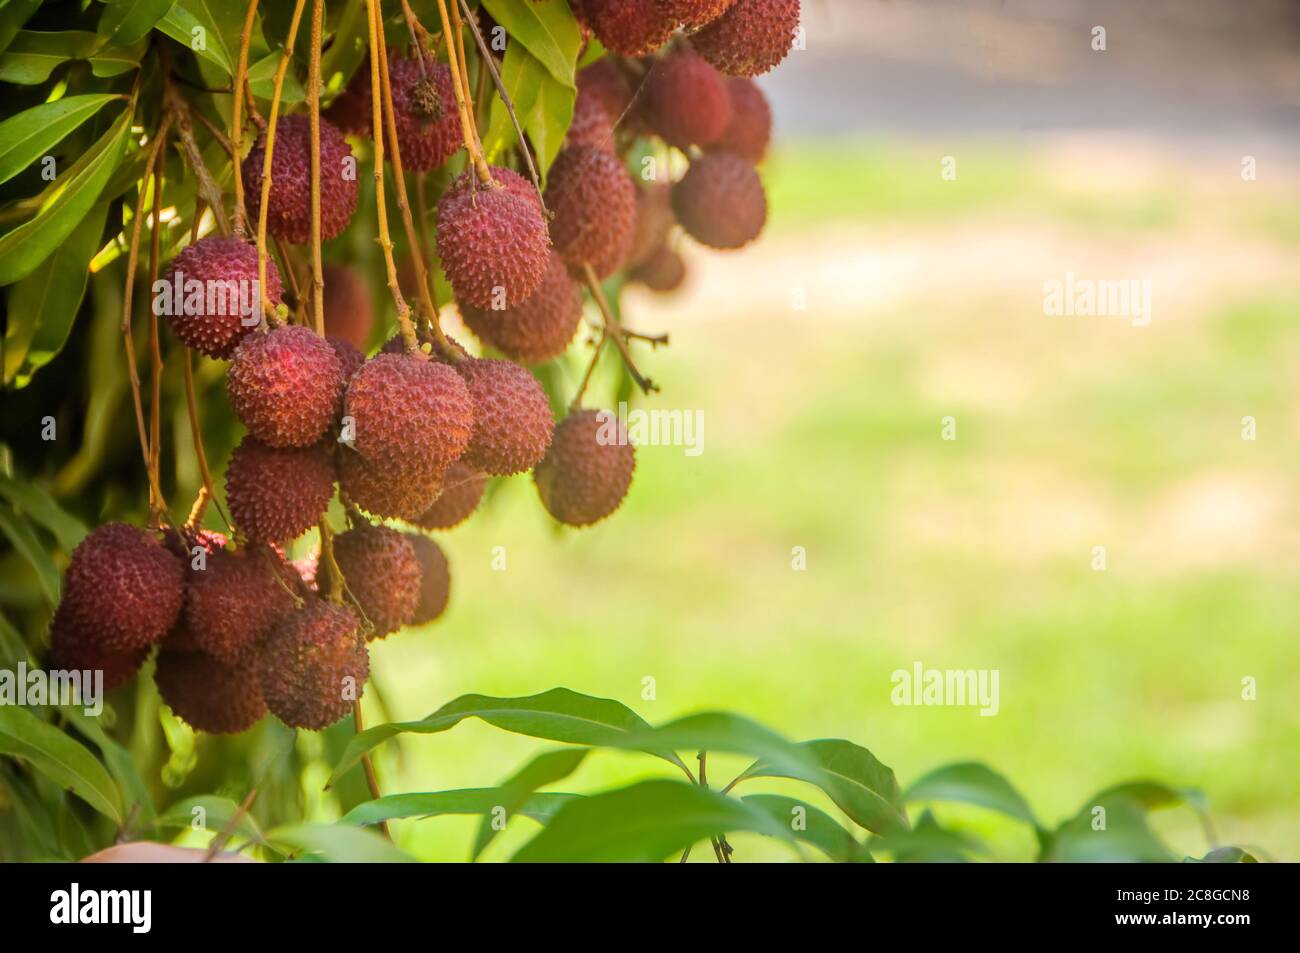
(412, 433)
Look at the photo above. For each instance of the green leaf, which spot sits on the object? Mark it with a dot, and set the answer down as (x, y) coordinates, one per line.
(515, 792)
(31, 134)
(972, 783)
(63, 205)
(541, 807)
(215, 816)
(1224, 855)
(812, 825)
(33, 56)
(43, 306)
(123, 22)
(854, 779)
(13, 15)
(1126, 837)
(556, 715)
(646, 822)
(547, 30)
(116, 60)
(187, 16)
(1155, 796)
(340, 844)
(139, 802)
(58, 757)
(543, 106)
(928, 843)
(28, 545)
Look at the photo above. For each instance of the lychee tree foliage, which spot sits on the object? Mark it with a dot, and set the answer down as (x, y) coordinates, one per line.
(233, 413)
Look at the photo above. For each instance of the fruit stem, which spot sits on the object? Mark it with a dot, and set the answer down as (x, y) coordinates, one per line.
(237, 118)
(207, 491)
(371, 781)
(313, 103)
(179, 111)
(462, 106)
(155, 351)
(615, 330)
(332, 571)
(591, 367)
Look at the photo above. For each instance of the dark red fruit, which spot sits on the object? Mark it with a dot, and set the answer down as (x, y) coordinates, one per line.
(349, 358)
(424, 109)
(750, 131)
(512, 417)
(720, 201)
(74, 648)
(349, 309)
(286, 385)
(628, 27)
(691, 14)
(400, 494)
(538, 329)
(605, 83)
(751, 37)
(289, 212)
(382, 574)
(685, 100)
(654, 220)
(591, 125)
(594, 203)
(462, 489)
(217, 302)
(314, 666)
(587, 471)
(278, 493)
(210, 695)
(233, 601)
(663, 271)
(435, 580)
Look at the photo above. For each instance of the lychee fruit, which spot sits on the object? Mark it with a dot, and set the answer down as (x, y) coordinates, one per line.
(352, 110)
(692, 14)
(588, 469)
(462, 489)
(594, 203)
(720, 201)
(349, 358)
(233, 600)
(278, 493)
(208, 694)
(75, 648)
(215, 302)
(123, 589)
(685, 100)
(591, 125)
(289, 212)
(605, 83)
(400, 494)
(286, 385)
(492, 243)
(539, 328)
(749, 132)
(410, 414)
(663, 271)
(512, 417)
(424, 108)
(435, 579)
(348, 306)
(314, 665)
(382, 574)
(629, 27)
(751, 37)
(654, 220)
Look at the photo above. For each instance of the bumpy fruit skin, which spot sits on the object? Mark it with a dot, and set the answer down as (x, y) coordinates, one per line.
(289, 214)
(492, 243)
(587, 472)
(435, 580)
(512, 417)
(382, 573)
(603, 82)
(208, 694)
(233, 602)
(349, 309)
(462, 489)
(538, 329)
(751, 37)
(750, 131)
(411, 415)
(692, 14)
(286, 385)
(123, 588)
(74, 648)
(685, 100)
(427, 137)
(594, 202)
(654, 220)
(349, 358)
(218, 319)
(314, 665)
(591, 125)
(720, 201)
(396, 494)
(663, 271)
(278, 493)
(628, 27)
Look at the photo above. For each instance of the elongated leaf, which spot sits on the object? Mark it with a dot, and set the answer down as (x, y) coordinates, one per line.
(646, 822)
(31, 134)
(28, 545)
(123, 22)
(137, 805)
(928, 843)
(1119, 835)
(116, 60)
(212, 814)
(59, 758)
(812, 825)
(514, 793)
(541, 807)
(556, 715)
(196, 25)
(63, 205)
(543, 106)
(546, 29)
(1224, 855)
(972, 783)
(340, 844)
(855, 780)
(1155, 796)
(13, 15)
(33, 56)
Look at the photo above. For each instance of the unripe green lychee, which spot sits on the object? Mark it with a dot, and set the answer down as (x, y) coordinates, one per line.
(289, 213)
(314, 665)
(286, 385)
(587, 471)
(278, 493)
(218, 287)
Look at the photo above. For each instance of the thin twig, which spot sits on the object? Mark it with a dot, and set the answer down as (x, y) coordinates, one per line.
(155, 351)
(371, 780)
(179, 111)
(237, 118)
(228, 831)
(591, 367)
(615, 331)
(462, 106)
(196, 434)
(313, 102)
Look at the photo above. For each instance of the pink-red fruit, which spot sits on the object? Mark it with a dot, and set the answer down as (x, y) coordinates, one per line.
(594, 203)
(751, 37)
(289, 209)
(382, 574)
(286, 385)
(587, 472)
(720, 201)
(212, 297)
(208, 694)
(685, 100)
(627, 27)
(462, 489)
(314, 666)
(278, 493)
(749, 132)
(540, 327)
(233, 600)
(435, 580)
(512, 417)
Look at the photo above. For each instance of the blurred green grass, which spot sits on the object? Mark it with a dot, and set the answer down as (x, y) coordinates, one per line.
(824, 432)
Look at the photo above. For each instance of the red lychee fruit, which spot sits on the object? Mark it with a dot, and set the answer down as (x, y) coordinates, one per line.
(663, 271)
(208, 694)
(588, 469)
(216, 301)
(628, 27)
(382, 573)
(349, 308)
(492, 243)
(278, 493)
(462, 489)
(409, 414)
(289, 212)
(720, 201)
(692, 14)
(512, 417)
(685, 100)
(123, 589)
(591, 125)
(605, 83)
(400, 494)
(352, 110)
(594, 203)
(349, 358)
(314, 666)
(751, 37)
(424, 107)
(750, 131)
(435, 579)
(233, 600)
(286, 385)
(538, 329)
(654, 220)
(74, 648)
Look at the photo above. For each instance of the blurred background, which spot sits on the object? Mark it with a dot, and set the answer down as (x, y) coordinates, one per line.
(923, 298)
